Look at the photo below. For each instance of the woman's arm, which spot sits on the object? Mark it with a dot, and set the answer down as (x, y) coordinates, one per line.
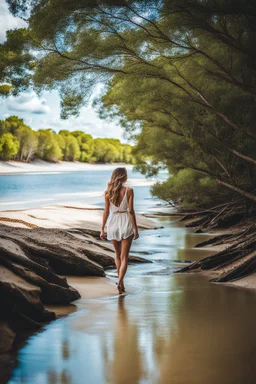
(105, 217)
(132, 214)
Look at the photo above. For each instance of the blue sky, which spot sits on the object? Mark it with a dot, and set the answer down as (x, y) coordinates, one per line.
(44, 111)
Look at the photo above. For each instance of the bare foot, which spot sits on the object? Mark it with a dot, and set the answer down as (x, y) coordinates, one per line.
(123, 288)
(120, 289)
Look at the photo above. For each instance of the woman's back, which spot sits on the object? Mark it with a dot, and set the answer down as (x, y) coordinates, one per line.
(123, 206)
(119, 225)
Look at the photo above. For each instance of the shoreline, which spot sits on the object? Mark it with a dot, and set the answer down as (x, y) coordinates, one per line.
(50, 258)
(54, 257)
(89, 287)
(16, 167)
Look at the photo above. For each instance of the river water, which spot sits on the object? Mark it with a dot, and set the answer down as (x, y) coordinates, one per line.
(170, 328)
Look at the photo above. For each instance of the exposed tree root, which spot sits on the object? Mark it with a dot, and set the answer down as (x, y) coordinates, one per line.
(243, 269)
(237, 260)
(222, 216)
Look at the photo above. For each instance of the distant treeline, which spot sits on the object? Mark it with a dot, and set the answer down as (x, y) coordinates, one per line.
(19, 142)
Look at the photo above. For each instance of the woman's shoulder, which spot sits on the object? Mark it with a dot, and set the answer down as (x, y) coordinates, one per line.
(129, 190)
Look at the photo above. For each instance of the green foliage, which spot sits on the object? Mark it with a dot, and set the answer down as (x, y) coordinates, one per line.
(9, 146)
(71, 151)
(48, 147)
(105, 151)
(180, 75)
(16, 62)
(189, 188)
(11, 124)
(5, 89)
(22, 143)
(28, 142)
(86, 145)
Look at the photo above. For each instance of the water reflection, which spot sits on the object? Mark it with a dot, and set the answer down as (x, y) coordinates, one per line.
(213, 341)
(179, 329)
(125, 362)
(65, 349)
(61, 378)
(172, 242)
(176, 329)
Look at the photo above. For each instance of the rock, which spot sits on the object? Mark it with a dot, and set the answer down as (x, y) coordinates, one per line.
(50, 293)
(7, 337)
(138, 259)
(12, 255)
(20, 298)
(65, 254)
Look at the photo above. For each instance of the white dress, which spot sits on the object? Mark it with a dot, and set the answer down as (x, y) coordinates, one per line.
(119, 224)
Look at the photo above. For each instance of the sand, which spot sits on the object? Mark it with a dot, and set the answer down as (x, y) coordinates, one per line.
(64, 216)
(93, 287)
(89, 287)
(9, 167)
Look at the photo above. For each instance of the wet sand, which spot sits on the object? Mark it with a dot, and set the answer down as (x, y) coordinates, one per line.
(89, 287)
(92, 287)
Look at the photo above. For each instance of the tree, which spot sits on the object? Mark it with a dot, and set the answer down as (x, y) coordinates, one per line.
(104, 151)
(9, 146)
(181, 72)
(71, 151)
(16, 62)
(48, 147)
(28, 143)
(11, 124)
(127, 154)
(86, 145)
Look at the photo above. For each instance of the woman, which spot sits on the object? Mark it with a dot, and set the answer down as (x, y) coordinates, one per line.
(121, 225)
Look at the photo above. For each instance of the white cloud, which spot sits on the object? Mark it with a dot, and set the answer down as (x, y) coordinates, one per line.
(44, 112)
(88, 121)
(28, 102)
(8, 21)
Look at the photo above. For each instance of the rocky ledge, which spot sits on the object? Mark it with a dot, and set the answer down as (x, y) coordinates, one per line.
(31, 264)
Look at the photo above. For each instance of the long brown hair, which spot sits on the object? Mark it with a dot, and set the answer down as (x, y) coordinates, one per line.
(118, 177)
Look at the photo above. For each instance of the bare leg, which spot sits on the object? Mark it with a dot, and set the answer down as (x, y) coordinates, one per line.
(117, 246)
(125, 248)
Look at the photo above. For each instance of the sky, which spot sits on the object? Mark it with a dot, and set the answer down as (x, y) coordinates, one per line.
(44, 111)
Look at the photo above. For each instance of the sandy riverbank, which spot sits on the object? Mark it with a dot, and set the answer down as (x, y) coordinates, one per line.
(12, 167)
(64, 216)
